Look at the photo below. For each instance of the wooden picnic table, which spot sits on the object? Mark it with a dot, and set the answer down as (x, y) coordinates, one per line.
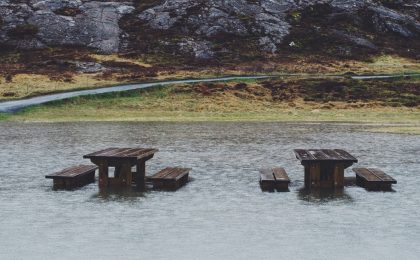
(324, 168)
(123, 159)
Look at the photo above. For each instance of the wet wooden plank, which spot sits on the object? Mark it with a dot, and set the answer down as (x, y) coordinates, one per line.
(101, 151)
(122, 153)
(65, 172)
(266, 175)
(161, 174)
(104, 153)
(374, 175)
(373, 179)
(308, 155)
(72, 177)
(175, 173)
(319, 155)
(274, 179)
(332, 154)
(366, 174)
(72, 172)
(382, 175)
(170, 178)
(345, 155)
(280, 175)
(141, 152)
(303, 155)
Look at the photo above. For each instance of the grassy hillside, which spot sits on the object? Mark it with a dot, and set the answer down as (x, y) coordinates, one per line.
(24, 74)
(274, 100)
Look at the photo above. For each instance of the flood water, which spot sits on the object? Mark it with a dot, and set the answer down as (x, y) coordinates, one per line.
(221, 213)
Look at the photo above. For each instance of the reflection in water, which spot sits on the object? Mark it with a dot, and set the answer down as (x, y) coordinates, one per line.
(324, 195)
(118, 194)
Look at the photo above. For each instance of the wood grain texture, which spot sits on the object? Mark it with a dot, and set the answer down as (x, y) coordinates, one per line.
(308, 155)
(122, 153)
(373, 179)
(274, 179)
(73, 177)
(170, 178)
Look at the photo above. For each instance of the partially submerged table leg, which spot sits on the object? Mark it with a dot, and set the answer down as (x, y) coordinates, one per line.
(338, 177)
(103, 174)
(141, 175)
(312, 175)
(125, 174)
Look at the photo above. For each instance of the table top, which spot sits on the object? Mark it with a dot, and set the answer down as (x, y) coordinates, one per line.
(122, 153)
(336, 155)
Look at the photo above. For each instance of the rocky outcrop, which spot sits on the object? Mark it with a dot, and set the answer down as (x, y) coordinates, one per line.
(237, 18)
(91, 24)
(205, 29)
(270, 25)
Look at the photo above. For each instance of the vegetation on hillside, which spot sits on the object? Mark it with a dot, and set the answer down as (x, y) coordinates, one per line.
(277, 100)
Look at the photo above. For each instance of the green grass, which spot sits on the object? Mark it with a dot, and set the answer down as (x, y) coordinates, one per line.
(4, 116)
(161, 105)
(414, 130)
(181, 103)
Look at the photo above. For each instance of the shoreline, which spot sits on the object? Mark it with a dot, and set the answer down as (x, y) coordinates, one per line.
(369, 127)
(237, 99)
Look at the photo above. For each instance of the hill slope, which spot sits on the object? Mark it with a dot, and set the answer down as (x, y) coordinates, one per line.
(214, 29)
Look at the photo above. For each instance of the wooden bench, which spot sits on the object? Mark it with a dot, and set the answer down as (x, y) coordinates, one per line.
(76, 176)
(274, 179)
(373, 179)
(170, 178)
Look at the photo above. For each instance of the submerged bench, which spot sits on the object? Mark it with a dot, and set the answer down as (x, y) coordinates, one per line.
(73, 177)
(170, 178)
(373, 179)
(274, 179)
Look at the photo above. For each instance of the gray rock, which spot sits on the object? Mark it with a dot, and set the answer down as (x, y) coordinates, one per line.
(267, 44)
(89, 67)
(200, 49)
(356, 40)
(96, 26)
(158, 20)
(196, 24)
(387, 20)
(53, 5)
(349, 5)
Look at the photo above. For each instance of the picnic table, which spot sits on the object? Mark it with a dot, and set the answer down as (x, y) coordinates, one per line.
(324, 168)
(123, 159)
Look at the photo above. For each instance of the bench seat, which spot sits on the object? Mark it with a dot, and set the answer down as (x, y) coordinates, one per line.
(373, 179)
(274, 179)
(73, 177)
(170, 178)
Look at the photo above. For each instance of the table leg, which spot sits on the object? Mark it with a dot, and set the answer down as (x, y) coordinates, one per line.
(312, 175)
(141, 175)
(338, 176)
(117, 171)
(307, 177)
(126, 177)
(103, 174)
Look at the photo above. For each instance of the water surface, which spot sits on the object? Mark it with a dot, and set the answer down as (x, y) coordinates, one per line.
(221, 213)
